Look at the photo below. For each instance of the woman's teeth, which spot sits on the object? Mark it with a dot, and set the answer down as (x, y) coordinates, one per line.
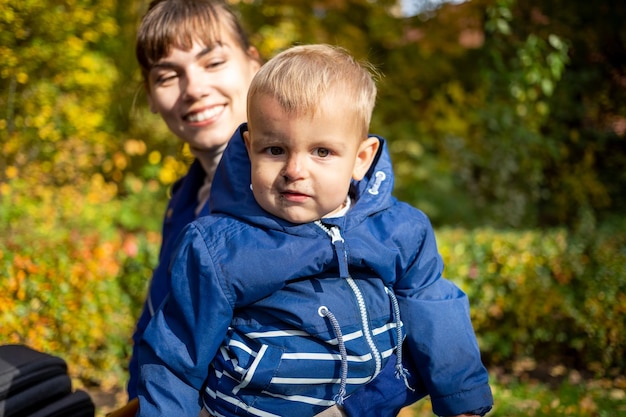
(204, 115)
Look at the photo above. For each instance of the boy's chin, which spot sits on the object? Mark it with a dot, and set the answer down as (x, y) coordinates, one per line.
(297, 216)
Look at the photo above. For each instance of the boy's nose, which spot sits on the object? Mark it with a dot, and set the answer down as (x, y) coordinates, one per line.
(293, 168)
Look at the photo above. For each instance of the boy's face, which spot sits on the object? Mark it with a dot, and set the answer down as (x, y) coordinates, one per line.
(302, 164)
(201, 93)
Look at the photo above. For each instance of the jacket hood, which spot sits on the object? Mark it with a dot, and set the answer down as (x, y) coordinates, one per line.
(231, 192)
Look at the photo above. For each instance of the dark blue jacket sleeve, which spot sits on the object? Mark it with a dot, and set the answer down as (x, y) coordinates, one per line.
(440, 350)
(446, 350)
(440, 339)
(180, 212)
(184, 334)
(158, 290)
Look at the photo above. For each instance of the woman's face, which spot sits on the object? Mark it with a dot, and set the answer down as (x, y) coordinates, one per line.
(201, 93)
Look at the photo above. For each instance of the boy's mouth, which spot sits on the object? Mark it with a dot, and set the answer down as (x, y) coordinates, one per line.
(294, 196)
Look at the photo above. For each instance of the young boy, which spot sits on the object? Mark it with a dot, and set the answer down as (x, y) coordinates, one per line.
(308, 274)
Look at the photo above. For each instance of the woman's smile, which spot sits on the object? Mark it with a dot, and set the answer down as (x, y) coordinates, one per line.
(207, 114)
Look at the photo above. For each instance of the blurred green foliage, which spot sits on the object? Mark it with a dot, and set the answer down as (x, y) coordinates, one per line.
(566, 394)
(498, 112)
(73, 278)
(551, 295)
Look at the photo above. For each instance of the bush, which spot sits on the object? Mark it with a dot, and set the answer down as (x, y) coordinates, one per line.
(72, 278)
(546, 294)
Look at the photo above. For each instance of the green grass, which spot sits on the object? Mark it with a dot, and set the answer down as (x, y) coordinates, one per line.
(571, 396)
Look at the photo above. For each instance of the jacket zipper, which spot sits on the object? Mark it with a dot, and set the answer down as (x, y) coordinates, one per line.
(338, 244)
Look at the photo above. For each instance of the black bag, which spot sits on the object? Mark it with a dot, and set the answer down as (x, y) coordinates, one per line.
(34, 383)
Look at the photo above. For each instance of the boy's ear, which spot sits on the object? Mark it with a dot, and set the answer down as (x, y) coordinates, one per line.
(246, 139)
(364, 157)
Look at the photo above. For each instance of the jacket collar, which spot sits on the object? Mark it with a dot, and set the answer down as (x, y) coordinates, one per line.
(231, 193)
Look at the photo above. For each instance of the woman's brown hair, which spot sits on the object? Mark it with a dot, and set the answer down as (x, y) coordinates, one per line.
(178, 23)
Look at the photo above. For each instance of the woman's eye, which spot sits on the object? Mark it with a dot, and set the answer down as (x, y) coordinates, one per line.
(322, 152)
(164, 78)
(212, 62)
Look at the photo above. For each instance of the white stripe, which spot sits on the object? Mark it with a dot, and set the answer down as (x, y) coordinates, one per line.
(325, 356)
(239, 404)
(251, 371)
(315, 381)
(242, 346)
(302, 399)
(347, 337)
(351, 336)
(388, 352)
(234, 361)
(384, 328)
(224, 352)
(300, 333)
(277, 333)
(228, 375)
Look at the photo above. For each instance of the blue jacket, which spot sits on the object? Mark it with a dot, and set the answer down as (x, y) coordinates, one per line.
(384, 244)
(179, 213)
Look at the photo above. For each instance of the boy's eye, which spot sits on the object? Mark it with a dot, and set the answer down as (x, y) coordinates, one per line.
(274, 150)
(322, 152)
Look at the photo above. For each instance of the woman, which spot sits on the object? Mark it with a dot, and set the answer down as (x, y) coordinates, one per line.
(197, 64)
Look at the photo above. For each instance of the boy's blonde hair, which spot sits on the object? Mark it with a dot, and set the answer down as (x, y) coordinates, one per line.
(178, 23)
(301, 76)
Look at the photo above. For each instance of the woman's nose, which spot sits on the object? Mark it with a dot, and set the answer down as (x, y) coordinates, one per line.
(196, 85)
